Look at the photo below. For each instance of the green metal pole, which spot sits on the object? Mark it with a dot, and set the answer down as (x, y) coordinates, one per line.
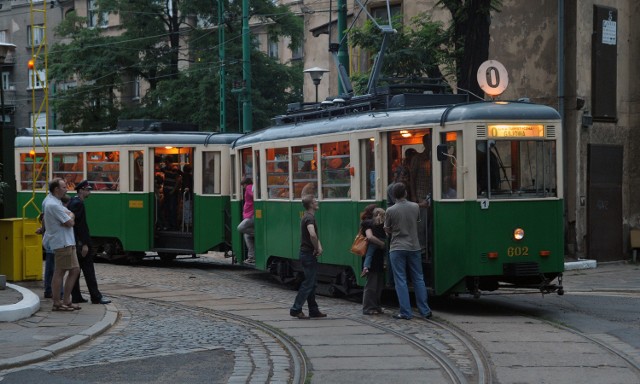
(247, 120)
(343, 53)
(223, 116)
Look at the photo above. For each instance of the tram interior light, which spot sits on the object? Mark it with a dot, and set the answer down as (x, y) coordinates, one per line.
(404, 133)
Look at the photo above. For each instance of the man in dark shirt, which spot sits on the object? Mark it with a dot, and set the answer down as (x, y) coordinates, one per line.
(83, 247)
(310, 250)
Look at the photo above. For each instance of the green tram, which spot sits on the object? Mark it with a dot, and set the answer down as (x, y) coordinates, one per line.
(494, 220)
(159, 189)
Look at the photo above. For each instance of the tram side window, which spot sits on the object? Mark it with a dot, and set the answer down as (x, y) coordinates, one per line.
(305, 170)
(451, 180)
(368, 174)
(246, 170)
(211, 178)
(334, 168)
(278, 173)
(32, 168)
(517, 169)
(136, 171)
(69, 167)
(103, 170)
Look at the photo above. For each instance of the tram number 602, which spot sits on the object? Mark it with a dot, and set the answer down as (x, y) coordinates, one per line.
(517, 251)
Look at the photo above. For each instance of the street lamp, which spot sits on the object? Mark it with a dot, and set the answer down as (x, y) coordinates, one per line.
(316, 75)
(6, 144)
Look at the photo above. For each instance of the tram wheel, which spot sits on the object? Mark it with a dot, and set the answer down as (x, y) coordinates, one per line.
(166, 257)
(134, 257)
(560, 291)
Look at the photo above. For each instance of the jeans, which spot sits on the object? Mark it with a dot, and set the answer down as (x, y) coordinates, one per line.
(371, 249)
(49, 265)
(246, 228)
(307, 290)
(411, 262)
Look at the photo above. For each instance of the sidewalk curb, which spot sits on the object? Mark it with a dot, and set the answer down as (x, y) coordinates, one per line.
(26, 307)
(109, 319)
(580, 264)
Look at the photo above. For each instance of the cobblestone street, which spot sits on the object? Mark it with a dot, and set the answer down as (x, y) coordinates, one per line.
(205, 320)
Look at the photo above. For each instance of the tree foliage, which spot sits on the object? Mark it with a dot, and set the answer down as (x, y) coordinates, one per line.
(469, 37)
(175, 52)
(425, 47)
(416, 49)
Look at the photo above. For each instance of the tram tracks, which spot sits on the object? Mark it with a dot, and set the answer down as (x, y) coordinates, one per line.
(454, 342)
(478, 372)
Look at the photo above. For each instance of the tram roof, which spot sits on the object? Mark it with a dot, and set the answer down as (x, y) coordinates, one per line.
(383, 119)
(115, 138)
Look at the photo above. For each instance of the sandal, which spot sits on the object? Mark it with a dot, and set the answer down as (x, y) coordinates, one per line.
(61, 307)
(74, 307)
(365, 272)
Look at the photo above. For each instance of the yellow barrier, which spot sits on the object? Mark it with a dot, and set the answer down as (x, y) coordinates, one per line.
(20, 249)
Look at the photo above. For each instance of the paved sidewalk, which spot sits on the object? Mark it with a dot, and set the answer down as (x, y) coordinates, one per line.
(46, 334)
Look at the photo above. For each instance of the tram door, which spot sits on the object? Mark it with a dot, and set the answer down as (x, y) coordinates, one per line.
(410, 162)
(173, 200)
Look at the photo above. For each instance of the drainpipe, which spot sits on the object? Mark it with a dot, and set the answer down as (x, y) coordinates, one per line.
(561, 102)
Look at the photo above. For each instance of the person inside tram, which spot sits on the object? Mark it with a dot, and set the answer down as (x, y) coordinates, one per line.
(70, 180)
(99, 178)
(481, 169)
(422, 187)
(171, 194)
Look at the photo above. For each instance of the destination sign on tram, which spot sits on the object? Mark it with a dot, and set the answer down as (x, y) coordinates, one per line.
(516, 130)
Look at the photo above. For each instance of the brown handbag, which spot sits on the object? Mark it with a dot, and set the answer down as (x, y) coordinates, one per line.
(359, 246)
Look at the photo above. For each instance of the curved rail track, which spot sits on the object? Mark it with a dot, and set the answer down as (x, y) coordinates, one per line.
(461, 357)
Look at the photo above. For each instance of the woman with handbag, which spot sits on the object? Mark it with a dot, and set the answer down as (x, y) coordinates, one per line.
(372, 226)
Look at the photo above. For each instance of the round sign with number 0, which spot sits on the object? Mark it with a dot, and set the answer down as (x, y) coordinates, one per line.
(493, 77)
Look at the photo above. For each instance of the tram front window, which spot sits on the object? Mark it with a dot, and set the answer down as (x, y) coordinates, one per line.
(516, 169)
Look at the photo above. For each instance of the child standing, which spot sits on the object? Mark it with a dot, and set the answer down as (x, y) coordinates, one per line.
(373, 229)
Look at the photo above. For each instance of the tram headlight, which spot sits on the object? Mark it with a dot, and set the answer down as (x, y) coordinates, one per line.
(518, 234)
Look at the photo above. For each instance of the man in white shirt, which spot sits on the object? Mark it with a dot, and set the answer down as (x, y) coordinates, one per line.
(59, 237)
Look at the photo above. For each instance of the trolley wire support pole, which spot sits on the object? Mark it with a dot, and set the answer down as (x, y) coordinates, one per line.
(247, 120)
(221, 58)
(6, 146)
(343, 54)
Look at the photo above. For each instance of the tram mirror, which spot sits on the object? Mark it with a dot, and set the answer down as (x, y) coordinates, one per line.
(441, 151)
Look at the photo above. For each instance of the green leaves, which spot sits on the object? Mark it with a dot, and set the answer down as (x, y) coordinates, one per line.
(173, 55)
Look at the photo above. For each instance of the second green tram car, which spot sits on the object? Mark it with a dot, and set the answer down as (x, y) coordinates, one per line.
(488, 173)
(164, 192)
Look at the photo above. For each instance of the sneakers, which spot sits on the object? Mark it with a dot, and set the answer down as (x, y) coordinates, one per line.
(370, 312)
(250, 261)
(428, 315)
(299, 315)
(401, 316)
(80, 300)
(317, 314)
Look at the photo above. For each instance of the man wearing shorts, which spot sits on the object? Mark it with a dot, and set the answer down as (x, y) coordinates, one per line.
(59, 237)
